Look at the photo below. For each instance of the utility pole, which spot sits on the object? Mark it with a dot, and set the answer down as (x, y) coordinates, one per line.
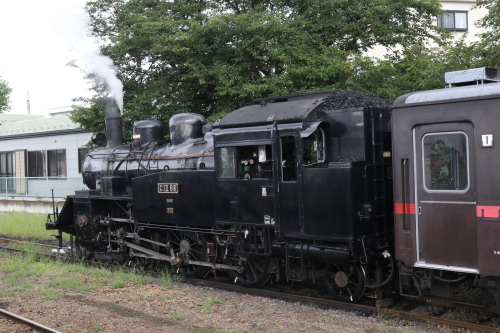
(28, 102)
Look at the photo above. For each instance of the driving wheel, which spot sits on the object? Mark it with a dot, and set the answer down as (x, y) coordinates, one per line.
(256, 272)
(346, 283)
(189, 246)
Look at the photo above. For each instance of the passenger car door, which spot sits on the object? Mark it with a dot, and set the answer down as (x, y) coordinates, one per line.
(445, 197)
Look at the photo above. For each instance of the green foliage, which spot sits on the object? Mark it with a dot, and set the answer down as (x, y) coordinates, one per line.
(213, 56)
(5, 91)
(488, 49)
(25, 225)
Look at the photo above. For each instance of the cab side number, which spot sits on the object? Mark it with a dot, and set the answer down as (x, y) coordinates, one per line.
(168, 188)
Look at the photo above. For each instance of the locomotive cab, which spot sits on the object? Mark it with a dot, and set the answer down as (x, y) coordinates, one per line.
(294, 169)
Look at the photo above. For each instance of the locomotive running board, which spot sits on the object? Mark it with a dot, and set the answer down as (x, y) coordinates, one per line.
(172, 260)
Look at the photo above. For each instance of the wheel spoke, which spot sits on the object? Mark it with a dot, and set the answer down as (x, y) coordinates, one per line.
(253, 271)
(255, 263)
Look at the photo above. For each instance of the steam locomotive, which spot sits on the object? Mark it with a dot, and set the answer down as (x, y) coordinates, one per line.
(305, 188)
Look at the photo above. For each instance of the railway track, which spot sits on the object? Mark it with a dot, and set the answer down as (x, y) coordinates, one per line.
(4, 241)
(327, 303)
(24, 321)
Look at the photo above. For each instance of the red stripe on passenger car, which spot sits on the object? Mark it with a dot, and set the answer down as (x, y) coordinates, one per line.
(488, 211)
(400, 208)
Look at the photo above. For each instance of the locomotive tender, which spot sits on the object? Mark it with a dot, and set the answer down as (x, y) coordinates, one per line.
(296, 188)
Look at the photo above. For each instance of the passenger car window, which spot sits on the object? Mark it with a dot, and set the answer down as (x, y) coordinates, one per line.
(445, 166)
(314, 147)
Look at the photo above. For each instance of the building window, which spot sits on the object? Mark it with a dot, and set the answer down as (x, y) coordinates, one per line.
(82, 152)
(7, 167)
(6, 164)
(453, 20)
(56, 163)
(36, 164)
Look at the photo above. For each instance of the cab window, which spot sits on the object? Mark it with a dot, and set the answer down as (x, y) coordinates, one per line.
(226, 163)
(314, 148)
(246, 162)
(288, 159)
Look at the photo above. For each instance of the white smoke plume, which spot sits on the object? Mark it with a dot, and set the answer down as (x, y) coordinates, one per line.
(87, 52)
(90, 55)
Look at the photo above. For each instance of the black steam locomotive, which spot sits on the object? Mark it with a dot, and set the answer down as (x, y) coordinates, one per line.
(300, 187)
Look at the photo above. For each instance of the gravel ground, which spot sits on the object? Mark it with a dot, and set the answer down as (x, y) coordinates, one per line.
(184, 308)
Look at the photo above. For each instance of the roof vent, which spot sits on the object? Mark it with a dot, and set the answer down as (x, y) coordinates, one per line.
(470, 77)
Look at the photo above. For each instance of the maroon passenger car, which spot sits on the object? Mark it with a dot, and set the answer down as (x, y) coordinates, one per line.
(446, 185)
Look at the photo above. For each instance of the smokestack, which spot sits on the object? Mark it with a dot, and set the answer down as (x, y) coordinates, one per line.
(114, 130)
(114, 126)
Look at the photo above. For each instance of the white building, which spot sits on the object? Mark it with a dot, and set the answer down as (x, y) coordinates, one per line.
(38, 155)
(461, 20)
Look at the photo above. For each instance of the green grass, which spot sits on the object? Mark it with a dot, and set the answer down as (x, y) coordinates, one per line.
(168, 281)
(118, 284)
(28, 247)
(210, 302)
(25, 225)
(179, 315)
(25, 274)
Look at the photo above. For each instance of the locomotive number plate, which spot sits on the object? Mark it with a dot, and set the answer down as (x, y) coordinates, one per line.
(168, 188)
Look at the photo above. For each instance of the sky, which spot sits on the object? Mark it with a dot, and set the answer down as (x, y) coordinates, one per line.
(37, 40)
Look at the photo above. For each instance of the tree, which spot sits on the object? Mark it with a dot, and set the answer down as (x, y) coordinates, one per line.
(414, 69)
(213, 56)
(488, 49)
(5, 91)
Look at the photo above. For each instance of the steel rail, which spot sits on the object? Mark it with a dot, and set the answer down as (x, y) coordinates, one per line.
(8, 240)
(443, 302)
(21, 320)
